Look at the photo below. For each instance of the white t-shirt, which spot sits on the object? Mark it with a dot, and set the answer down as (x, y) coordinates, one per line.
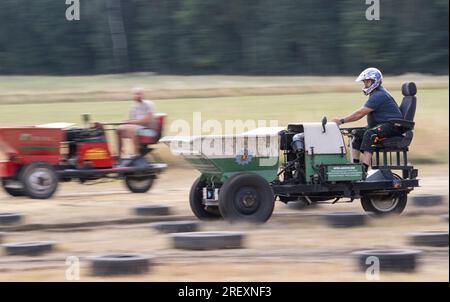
(141, 109)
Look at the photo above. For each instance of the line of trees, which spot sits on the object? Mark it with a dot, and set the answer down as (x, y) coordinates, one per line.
(277, 37)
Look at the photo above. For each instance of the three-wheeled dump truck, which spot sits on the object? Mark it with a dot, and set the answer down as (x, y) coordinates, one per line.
(242, 175)
(38, 157)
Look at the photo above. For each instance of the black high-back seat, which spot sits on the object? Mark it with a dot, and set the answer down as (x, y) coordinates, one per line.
(408, 109)
(398, 145)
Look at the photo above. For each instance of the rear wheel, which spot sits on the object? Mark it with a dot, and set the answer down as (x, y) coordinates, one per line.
(246, 197)
(139, 184)
(16, 192)
(39, 180)
(384, 204)
(196, 202)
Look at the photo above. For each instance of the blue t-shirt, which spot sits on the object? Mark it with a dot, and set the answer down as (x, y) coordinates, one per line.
(384, 106)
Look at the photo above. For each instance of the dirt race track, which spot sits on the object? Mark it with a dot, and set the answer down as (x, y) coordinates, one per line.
(294, 245)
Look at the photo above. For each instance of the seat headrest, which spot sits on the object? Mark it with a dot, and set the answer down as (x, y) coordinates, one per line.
(409, 89)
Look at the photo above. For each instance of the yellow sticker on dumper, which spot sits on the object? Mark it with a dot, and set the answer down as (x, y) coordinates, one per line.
(96, 153)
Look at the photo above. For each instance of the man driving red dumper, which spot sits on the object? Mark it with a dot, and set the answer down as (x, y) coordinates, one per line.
(140, 122)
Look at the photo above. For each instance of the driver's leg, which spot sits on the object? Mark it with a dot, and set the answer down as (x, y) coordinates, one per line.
(367, 148)
(135, 138)
(120, 134)
(356, 153)
(367, 158)
(126, 131)
(358, 135)
(132, 133)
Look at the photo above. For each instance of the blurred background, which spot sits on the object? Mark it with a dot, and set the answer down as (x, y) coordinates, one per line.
(285, 60)
(247, 37)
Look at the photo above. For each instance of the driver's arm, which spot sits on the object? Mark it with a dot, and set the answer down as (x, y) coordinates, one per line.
(355, 116)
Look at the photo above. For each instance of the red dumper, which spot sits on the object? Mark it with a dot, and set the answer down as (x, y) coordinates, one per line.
(36, 158)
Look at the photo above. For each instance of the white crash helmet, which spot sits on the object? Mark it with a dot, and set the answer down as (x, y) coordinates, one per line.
(370, 74)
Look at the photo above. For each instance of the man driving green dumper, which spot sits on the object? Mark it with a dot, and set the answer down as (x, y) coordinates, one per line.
(380, 108)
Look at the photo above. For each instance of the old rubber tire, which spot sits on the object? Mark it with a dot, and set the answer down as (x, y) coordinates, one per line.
(345, 219)
(175, 226)
(396, 260)
(138, 184)
(195, 201)
(33, 248)
(207, 240)
(12, 191)
(2, 235)
(10, 218)
(119, 264)
(152, 210)
(431, 238)
(384, 204)
(246, 197)
(427, 200)
(39, 180)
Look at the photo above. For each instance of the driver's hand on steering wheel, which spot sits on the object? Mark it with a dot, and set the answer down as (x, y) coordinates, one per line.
(337, 121)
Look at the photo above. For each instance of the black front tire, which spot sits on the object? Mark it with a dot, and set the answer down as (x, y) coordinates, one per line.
(384, 204)
(198, 208)
(39, 180)
(246, 197)
(12, 191)
(140, 184)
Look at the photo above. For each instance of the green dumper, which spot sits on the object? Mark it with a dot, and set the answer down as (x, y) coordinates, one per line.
(243, 175)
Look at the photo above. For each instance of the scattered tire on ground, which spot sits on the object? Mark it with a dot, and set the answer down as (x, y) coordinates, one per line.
(119, 264)
(427, 200)
(395, 260)
(207, 240)
(2, 235)
(345, 219)
(175, 226)
(33, 248)
(9, 218)
(151, 210)
(431, 238)
(445, 217)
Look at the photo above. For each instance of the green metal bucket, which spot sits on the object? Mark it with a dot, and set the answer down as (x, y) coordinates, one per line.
(221, 156)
